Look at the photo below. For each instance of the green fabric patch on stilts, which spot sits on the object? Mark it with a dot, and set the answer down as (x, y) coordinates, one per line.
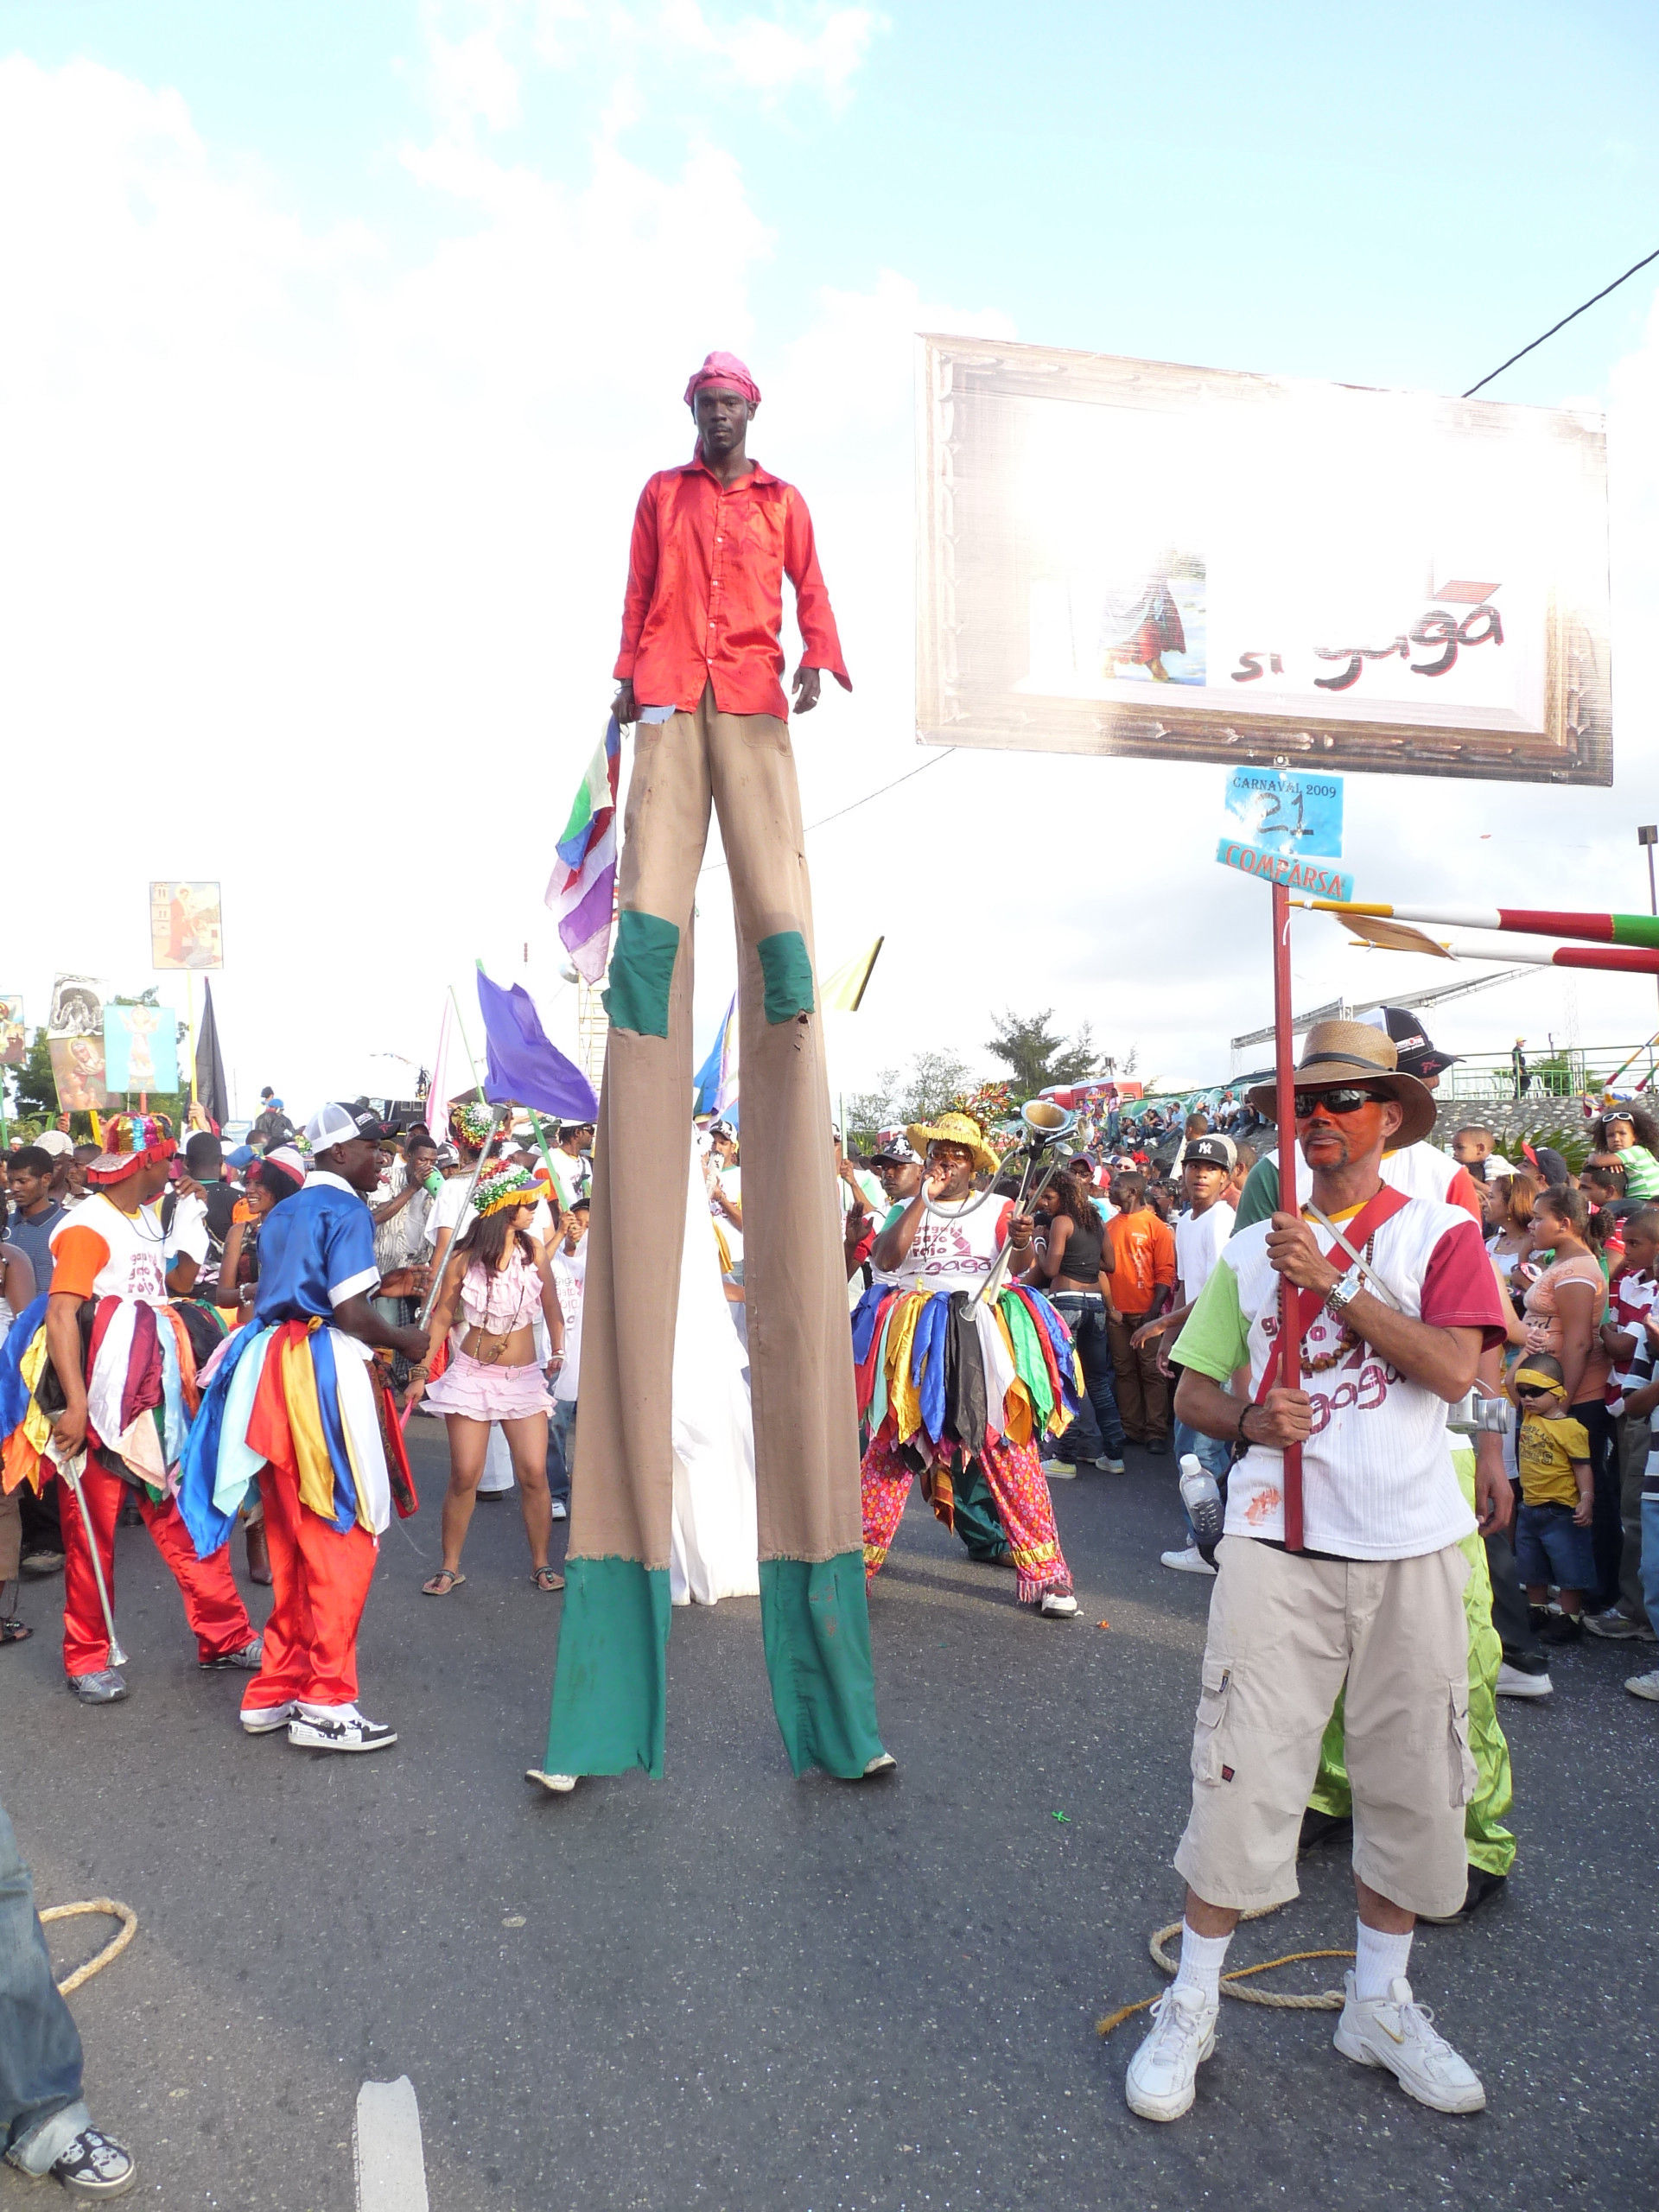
(642, 970)
(610, 1686)
(815, 1621)
(787, 974)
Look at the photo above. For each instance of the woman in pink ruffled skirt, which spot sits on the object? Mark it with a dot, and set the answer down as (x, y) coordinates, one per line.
(496, 1283)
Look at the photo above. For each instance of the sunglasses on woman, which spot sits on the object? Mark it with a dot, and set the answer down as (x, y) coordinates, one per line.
(1334, 1102)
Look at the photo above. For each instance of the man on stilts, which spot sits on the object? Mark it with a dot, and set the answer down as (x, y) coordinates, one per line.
(699, 668)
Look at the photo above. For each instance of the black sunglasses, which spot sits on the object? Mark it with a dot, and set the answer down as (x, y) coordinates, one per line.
(1334, 1102)
(1531, 1390)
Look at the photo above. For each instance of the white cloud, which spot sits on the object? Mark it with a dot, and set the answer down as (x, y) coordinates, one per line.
(823, 47)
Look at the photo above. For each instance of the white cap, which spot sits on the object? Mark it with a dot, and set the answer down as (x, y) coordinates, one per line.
(336, 1124)
(55, 1142)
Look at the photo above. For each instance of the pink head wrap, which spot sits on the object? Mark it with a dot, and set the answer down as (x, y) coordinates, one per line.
(723, 368)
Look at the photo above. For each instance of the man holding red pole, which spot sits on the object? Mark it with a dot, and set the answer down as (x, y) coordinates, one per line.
(1394, 1309)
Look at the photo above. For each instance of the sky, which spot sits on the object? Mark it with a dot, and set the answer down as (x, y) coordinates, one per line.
(339, 341)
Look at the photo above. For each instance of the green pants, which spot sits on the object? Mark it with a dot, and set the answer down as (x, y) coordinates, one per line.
(1490, 1844)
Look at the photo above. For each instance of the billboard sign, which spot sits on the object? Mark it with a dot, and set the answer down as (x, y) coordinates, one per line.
(185, 928)
(1124, 557)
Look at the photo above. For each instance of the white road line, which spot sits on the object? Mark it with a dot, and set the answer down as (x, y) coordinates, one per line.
(391, 2165)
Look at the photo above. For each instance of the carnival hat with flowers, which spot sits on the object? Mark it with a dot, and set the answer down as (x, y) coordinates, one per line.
(508, 1184)
(131, 1139)
(955, 1129)
(470, 1122)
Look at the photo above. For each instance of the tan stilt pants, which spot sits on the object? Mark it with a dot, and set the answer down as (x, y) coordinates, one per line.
(806, 1426)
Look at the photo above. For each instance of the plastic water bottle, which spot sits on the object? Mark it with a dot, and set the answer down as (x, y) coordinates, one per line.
(1202, 1498)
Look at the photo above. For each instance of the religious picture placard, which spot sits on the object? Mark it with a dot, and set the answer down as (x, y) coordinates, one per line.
(78, 1071)
(14, 1040)
(141, 1051)
(185, 926)
(1124, 557)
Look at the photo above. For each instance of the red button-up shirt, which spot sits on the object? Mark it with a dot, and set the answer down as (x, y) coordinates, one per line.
(705, 597)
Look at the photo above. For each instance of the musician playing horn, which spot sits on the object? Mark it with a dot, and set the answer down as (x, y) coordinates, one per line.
(958, 1390)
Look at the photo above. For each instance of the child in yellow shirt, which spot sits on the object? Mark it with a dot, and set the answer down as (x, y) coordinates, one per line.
(1552, 1533)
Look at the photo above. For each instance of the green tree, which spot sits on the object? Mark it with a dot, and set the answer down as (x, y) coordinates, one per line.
(927, 1087)
(1039, 1057)
(36, 1091)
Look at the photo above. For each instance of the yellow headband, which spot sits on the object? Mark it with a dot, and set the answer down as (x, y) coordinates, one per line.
(1539, 1380)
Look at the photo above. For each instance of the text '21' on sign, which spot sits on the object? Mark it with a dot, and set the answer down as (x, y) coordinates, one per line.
(1279, 812)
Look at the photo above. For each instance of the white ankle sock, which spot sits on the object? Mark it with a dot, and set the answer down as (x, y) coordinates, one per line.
(1201, 1960)
(1379, 1959)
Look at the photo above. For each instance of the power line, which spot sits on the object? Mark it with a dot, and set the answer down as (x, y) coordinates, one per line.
(852, 806)
(1562, 324)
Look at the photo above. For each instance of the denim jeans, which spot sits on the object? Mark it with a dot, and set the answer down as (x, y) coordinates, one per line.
(1096, 1432)
(41, 2110)
(561, 1447)
(1651, 1556)
(1211, 1453)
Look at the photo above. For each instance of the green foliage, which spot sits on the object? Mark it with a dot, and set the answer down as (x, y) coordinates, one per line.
(1040, 1058)
(932, 1082)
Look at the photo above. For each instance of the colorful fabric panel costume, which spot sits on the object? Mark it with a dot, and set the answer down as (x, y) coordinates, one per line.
(297, 1405)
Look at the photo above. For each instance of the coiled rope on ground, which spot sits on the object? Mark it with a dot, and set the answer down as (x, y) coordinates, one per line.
(113, 1949)
(1328, 2000)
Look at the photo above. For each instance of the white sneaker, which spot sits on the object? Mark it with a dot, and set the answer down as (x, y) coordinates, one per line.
(266, 1720)
(1398, 2033)
(1645, 1685)
(561, 1511)
(1054, 1607)
(315, 1731)
(559, 1785)
(1160, 2082)
(1511, 1682)
(1190, 1562)
(1108, 1466)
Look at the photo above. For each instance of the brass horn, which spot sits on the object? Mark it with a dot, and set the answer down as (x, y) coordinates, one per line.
(1045, 1124)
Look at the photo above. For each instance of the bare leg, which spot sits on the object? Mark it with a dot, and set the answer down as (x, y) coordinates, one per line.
(527, 1441)
(1382, 1913)
(1211, 1919)
(468, 1442)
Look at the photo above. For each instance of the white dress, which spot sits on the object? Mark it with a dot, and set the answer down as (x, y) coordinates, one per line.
(714, 1545)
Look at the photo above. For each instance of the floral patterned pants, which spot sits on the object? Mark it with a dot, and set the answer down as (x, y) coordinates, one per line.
(1014, 1475)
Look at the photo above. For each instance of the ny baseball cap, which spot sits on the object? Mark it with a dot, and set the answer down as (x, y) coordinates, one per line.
(336, 1124)
(894, 1145)
(1211, 1151)
(1415, 1054)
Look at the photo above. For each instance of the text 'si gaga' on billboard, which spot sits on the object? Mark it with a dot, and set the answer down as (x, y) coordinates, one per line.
(1129, 557)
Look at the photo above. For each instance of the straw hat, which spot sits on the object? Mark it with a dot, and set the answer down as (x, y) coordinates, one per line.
(955, 1129)
(1336, 1054)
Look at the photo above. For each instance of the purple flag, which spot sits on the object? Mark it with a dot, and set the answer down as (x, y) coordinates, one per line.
(525, 1070)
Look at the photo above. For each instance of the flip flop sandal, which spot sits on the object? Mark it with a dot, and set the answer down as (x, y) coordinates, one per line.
(451, 1579)
(14, 1631)
(544, 1578)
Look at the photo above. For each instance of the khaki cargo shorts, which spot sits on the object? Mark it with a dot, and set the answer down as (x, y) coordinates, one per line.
(1285, 1634)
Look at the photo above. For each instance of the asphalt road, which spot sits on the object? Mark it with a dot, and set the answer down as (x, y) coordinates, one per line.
(733, 1989)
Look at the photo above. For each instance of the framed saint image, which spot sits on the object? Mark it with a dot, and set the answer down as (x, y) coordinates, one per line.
(78, 1073)
(185, 927)
(1122, 557)
(14, 1039)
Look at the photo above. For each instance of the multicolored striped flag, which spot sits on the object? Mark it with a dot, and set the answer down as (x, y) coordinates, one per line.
(582, 888)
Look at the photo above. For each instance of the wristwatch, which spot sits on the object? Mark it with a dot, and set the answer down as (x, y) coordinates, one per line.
(1343, 1293)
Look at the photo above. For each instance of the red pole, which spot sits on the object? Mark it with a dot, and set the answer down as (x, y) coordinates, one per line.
(1290, 1341)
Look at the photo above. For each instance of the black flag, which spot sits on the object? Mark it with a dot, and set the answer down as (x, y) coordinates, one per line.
(212, 1088)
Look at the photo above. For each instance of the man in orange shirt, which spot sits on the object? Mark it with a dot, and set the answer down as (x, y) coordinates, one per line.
(1143, 1282)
